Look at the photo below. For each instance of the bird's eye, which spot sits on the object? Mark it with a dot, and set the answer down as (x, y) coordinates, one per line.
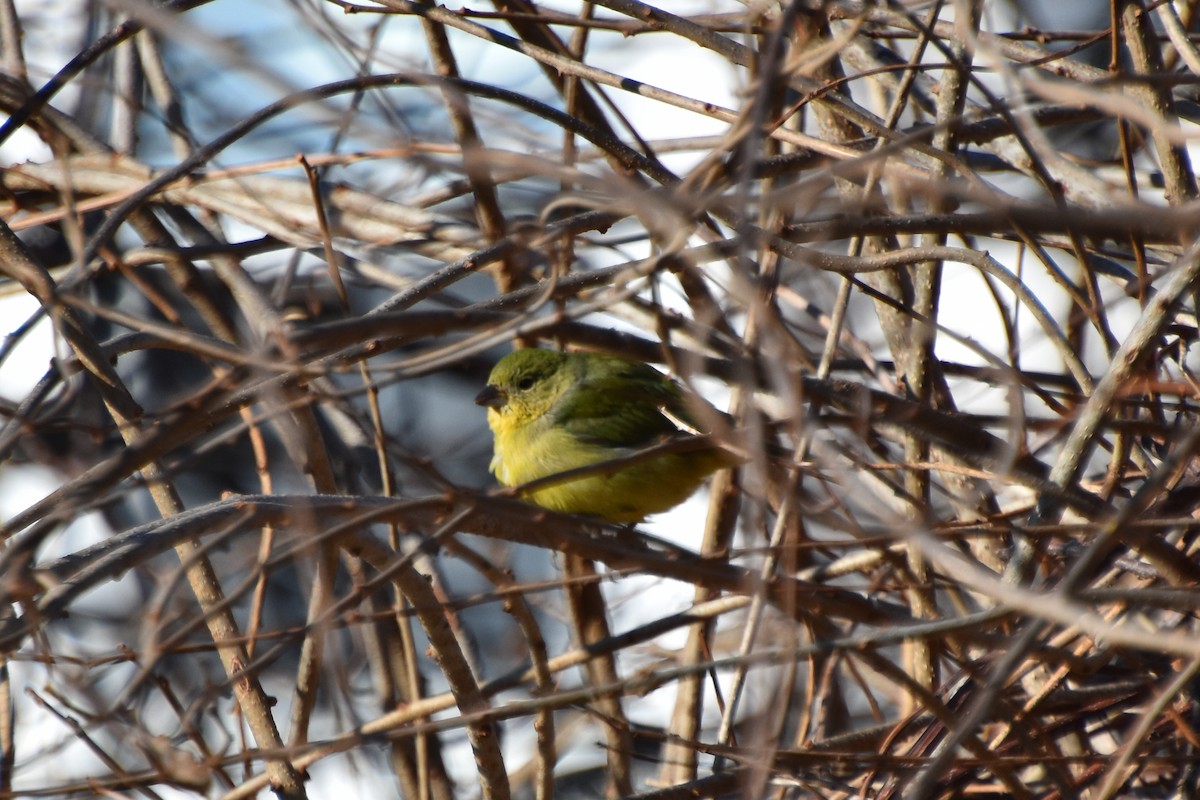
(525, 383)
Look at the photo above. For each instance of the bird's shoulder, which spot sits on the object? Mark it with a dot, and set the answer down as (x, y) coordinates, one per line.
(620, 403)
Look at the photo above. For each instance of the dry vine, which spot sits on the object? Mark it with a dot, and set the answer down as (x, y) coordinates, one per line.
(941, 266)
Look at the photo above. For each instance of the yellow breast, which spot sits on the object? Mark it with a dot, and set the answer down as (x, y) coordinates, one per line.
(528, 450)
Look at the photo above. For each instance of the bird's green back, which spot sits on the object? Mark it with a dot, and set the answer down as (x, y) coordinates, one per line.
(619, 403)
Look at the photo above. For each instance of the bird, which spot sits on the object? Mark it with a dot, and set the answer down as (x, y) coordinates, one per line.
(552, 412)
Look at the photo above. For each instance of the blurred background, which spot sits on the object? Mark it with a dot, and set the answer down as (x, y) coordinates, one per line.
(936, 260)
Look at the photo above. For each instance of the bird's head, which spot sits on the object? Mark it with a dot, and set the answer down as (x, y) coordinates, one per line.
(525, 384)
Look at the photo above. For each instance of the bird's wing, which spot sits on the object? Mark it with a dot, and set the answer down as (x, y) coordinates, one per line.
(621, 406)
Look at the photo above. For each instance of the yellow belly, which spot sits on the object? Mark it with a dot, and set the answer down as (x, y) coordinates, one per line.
(623, 495)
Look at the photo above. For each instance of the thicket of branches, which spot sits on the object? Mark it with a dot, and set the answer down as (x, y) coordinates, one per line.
(939, 266)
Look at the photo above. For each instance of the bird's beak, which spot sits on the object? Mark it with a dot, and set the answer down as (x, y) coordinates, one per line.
(491, 396)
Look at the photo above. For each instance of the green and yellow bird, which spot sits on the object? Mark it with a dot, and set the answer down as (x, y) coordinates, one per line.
(551, 412)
